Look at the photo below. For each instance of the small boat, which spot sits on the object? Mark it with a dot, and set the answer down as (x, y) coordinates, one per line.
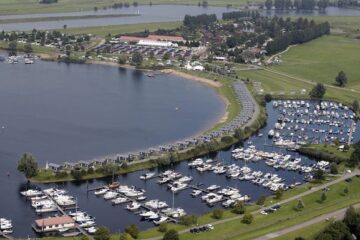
(101, 191)
(147, 176)
(133, 206)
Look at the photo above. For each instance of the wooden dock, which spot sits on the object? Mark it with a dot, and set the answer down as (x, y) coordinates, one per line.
(62, 211)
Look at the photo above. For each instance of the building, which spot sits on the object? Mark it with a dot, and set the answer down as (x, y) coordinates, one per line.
(54, 224)
(156, 43)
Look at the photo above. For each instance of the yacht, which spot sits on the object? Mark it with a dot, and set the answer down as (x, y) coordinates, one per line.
(195, 193)
(119, 200)
(147, 176)
(31, 193)
(161, 220)
(178, 186)
(101, 191)
(110, 195)
(133, 206)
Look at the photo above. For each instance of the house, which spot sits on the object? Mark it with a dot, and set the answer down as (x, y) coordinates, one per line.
(53, 166)
(53, 224)
(70, 165)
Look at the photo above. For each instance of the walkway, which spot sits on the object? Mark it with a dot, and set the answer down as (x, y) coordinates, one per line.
(337, 215)
(312, 190)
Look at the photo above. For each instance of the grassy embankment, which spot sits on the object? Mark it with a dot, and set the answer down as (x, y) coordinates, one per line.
(32, 6)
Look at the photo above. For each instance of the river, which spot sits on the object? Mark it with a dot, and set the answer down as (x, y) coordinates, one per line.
(148, 14)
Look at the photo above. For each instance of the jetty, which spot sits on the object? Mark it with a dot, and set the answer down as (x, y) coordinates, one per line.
(6, 236)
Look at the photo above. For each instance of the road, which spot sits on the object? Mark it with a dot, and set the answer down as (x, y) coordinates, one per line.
(312, 190)
(337, 215)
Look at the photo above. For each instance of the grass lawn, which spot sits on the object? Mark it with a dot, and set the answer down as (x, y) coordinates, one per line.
(282, 86)
(121, 29)
(320, 60)
(309, 232)
(33, 6)
(287, 215)
(347, 24)
(331, 149)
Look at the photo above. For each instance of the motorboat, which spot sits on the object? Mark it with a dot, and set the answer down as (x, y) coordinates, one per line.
(147, 176)
(101, 191)
(133, 206)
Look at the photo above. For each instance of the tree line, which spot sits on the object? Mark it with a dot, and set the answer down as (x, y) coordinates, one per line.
(304, 31)
(297, 4)
(237, 15)
(195, 21)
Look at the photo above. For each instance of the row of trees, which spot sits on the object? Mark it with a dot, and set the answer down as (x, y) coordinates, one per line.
(195, 21)
(296, 4)
(237, 15)
(298, 36)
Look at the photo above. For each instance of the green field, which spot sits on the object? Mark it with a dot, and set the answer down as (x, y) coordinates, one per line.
(320, 60)
(33, 6)
(121, 29)
(347, 24)
(309, 232)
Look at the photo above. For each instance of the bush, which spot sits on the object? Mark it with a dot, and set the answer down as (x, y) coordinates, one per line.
(188, 220)
(268, 98)
(261, 200)
(217, 213)
(77, 174)
(162, 227)
(300, 205)
(61, 174)
(279, 193)
(125, 236)
(239, 208)
(248, 218)
(133, 230)
(102, 233)
(171, 235)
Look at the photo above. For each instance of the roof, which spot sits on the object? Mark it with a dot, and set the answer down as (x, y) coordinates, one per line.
(130, 39)
(165, 38)
(54, 221)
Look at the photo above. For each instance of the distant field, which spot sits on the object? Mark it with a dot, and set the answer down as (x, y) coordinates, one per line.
(348, 24)
(126, 28)
(33, 6)
(287, 87)
(320, 60)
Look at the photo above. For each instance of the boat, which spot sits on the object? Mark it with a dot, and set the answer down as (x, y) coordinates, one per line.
(101, 191)
(213, 187)
(119, 200)
(161, 220)
(178, 186)
(147, 176)
(113, 185)
(195, 193)
(110, 195)
(31, 193)
(133, 206)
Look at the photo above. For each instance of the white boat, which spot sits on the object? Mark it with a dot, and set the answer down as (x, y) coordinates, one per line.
(146, 214)
(119, 200)
(161, 220)
(91, 230)
(196, 193)
(31, 193)
(101, 191)
(185, 179)
(110, 195)
(213, 187)
(147, 176)
(133, 206)
(178, 186)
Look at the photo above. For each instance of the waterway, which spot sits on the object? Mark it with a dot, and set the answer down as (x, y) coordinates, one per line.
(148, 14)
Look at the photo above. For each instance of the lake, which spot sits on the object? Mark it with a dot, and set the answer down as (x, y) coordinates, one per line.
(149, 14)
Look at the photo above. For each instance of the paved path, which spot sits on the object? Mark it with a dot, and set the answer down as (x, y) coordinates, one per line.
(312, 190)
(337, 215)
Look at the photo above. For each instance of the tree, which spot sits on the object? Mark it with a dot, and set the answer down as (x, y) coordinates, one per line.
(341, 79)
(133, 230)
(28, 48)
(248, 218)
(68, 50)
(239, 208)
(261, 200)
(268, 97)
(318, 91)
(352, 220)
(125, 236)
(346, 190)
(319, 175)
(300, 205)
(12, 48)
(217, 213)
(188, 220)
(268, 4)
(102, 233)
(279, 193)
(171, 235)
(28, 165)
(355, 106)
(137, 58)
(333, 169)
(323, 197)
(335, 230)
(162, 227)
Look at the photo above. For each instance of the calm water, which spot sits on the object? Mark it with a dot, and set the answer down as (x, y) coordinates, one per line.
(65, 112)
(156, 13)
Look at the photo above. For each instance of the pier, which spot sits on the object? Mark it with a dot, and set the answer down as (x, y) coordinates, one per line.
(62, 211)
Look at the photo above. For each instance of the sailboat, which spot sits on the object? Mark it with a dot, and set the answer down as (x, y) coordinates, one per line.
(113, 184)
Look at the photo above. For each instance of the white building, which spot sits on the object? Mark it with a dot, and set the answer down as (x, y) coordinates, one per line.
(156, 43)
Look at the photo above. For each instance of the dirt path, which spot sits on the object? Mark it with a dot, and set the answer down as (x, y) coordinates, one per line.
(337, 215)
